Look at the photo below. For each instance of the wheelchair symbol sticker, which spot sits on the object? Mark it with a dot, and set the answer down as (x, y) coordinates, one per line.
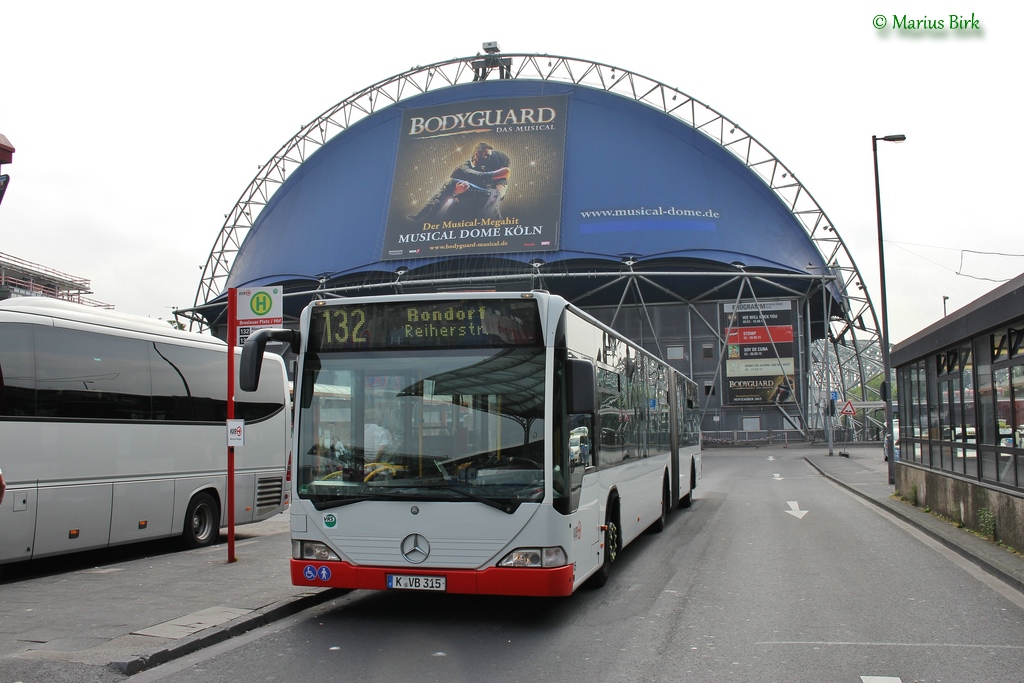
(312, 573)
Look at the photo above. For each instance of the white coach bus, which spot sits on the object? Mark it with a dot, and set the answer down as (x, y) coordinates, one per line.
(113, 430)
(488, 443)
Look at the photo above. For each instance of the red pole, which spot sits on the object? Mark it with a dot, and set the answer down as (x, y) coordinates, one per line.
(232, 336)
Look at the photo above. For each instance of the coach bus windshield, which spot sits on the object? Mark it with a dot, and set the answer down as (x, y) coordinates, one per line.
(456, 424)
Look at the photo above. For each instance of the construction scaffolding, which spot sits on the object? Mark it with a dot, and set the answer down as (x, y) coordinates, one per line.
(19, 277)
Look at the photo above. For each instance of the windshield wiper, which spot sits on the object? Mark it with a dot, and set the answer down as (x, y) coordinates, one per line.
(328, 502)
(406, 493)
(505, 507)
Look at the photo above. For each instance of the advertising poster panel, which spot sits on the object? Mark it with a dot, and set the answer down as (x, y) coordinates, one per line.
(759, 366)
(478, 177)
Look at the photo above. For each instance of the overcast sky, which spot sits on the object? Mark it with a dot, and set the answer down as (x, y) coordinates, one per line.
(138, 125)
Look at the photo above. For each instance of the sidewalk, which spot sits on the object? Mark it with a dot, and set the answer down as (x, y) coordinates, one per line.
(133, 615)
(866, 474)
(118, 619)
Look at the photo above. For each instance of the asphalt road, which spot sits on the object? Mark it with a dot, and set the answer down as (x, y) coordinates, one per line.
(774, 574)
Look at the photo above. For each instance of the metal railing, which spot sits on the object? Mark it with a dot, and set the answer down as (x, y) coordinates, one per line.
(765, 437)
(20, 287)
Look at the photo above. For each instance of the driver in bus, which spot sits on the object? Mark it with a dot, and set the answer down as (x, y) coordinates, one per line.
(376, 439)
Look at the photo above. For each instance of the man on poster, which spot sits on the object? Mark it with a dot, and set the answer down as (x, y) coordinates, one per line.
(475, 189)
(784, 391)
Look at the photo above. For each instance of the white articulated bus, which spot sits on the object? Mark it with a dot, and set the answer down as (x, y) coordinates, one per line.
(487, 443)
(113, 430)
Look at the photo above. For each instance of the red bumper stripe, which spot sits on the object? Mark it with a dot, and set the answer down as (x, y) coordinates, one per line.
(490, 581)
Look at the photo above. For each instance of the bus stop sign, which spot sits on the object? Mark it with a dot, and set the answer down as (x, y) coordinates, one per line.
(258, 309)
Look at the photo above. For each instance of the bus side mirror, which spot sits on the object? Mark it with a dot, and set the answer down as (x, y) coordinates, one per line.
(582, 384)
(252, 354)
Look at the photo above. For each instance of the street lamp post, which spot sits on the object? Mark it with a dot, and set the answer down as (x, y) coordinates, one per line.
(944, 300)
(886, 390)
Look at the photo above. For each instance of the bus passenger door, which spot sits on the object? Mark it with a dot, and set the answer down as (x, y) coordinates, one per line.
(583, 490)
(675, 446)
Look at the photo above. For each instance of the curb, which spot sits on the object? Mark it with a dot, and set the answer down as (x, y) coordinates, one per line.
(218, 634)
(1016, 582)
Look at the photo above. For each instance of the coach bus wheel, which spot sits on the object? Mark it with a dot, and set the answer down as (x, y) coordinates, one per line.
(202, 521)
(659, 524)
(611, 544)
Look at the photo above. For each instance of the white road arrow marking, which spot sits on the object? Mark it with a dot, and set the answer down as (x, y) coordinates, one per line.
(776, 477)
(794, 509)
(770, 458)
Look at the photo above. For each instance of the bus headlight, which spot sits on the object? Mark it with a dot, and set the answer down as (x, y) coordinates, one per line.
(311, 550)
(535, 557)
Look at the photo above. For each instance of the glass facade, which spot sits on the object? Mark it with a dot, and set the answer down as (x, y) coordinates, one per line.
(961, 410)
(701, 327)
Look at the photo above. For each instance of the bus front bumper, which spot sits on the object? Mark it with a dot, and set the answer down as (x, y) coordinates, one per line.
(536, 582)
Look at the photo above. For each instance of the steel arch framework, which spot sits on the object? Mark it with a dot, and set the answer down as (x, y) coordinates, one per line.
(847, 359)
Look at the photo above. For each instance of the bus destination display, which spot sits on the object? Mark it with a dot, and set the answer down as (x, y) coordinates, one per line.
(425, 324)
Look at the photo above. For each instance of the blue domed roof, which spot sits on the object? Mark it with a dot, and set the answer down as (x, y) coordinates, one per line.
(599, 179)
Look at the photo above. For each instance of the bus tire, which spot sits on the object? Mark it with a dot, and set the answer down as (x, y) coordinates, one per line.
(666, 505)
(611, 543)
(687, 500)
(202, 521)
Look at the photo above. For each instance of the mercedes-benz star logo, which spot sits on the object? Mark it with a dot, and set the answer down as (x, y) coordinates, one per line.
(415, 548)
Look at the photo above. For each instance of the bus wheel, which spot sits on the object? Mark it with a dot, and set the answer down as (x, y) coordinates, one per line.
(659, 524)
(611, 544)
(202, 521)
(687, 500)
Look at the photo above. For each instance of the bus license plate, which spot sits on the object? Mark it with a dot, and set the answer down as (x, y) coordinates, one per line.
(416, 583)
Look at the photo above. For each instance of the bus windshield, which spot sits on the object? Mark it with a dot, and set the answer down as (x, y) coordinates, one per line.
(442, 424)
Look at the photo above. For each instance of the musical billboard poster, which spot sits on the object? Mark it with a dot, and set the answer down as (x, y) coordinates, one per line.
(759, 366)
(478, 177)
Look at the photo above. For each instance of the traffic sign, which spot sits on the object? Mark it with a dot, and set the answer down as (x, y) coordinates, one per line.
(848, 409)
(258, 309)
(236, 432)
